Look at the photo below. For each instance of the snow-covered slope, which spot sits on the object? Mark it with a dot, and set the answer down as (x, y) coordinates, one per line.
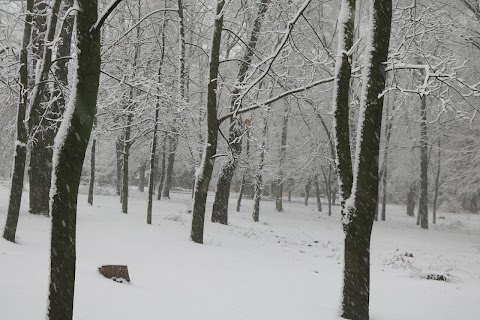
(288, 266)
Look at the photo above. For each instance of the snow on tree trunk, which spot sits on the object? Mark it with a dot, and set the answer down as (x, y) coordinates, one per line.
(359, 208)
(118, 148)
(20, 155)
(236, 129)
(423, 199)
(257, 195)
(204, 173)
(341, 89)
(41, 133)
(69, 154)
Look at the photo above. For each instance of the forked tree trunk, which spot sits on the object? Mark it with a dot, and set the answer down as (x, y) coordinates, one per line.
(210, 149)
(20, 155)
(359, 207)
(70, 146)
(40, 166)
(236, 130)
(423, 199)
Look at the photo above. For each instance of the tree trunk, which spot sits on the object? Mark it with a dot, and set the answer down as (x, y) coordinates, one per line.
(240, 192)
(437, 181)
(222, 194)
(412, 191)
(92, 167)
(308, 186)
(388, 133)
(20, 155)
(317, 191)
(258, 175)
(40, 166)
(359, 207)
(210, 149)
(169, 168)
(141, 178)
(70, 147)
(118, 185)
(283, 155)
(423, 200)
(125, 156)
(162, 169)
(151, 179)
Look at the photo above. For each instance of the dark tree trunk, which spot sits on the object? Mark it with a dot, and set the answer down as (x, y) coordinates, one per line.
(125, 158)
(151, 179)
(423, 200)
(317, 191)
(240, 192)
(141, 178)
(40, 166)
(92, 168)
(208, 158)
(118, 147)
(20, 156)
(283, 155)
(412, 191)
(289, 195)
(162, 169)
(258, 174)
(308, 186)
(437, 181)
(244, 174)
(359, 208)
(222, 194)
(169, 168)
(70, 148)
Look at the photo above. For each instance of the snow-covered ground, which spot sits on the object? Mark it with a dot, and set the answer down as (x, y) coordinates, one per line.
(288, 266)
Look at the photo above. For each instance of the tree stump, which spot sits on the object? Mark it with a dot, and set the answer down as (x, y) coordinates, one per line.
(115, 272)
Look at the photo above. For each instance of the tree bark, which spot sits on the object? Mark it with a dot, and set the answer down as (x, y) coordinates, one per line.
(210, 149)
(222, 194)
(257, 195)
(169, 167)
(141, 178)
(437, 180)
(92, 167)
(151, 179)
(244, 175)
(423, 200)
(20, 155)
(359, 207)
(118, 185)
(162, 168)
(283, 155)
(308, 186)
(70, 146)
(317, 191)
(40, 166)
(412, 191)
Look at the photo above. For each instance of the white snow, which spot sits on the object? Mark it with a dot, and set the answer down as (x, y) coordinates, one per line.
(288, 266)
